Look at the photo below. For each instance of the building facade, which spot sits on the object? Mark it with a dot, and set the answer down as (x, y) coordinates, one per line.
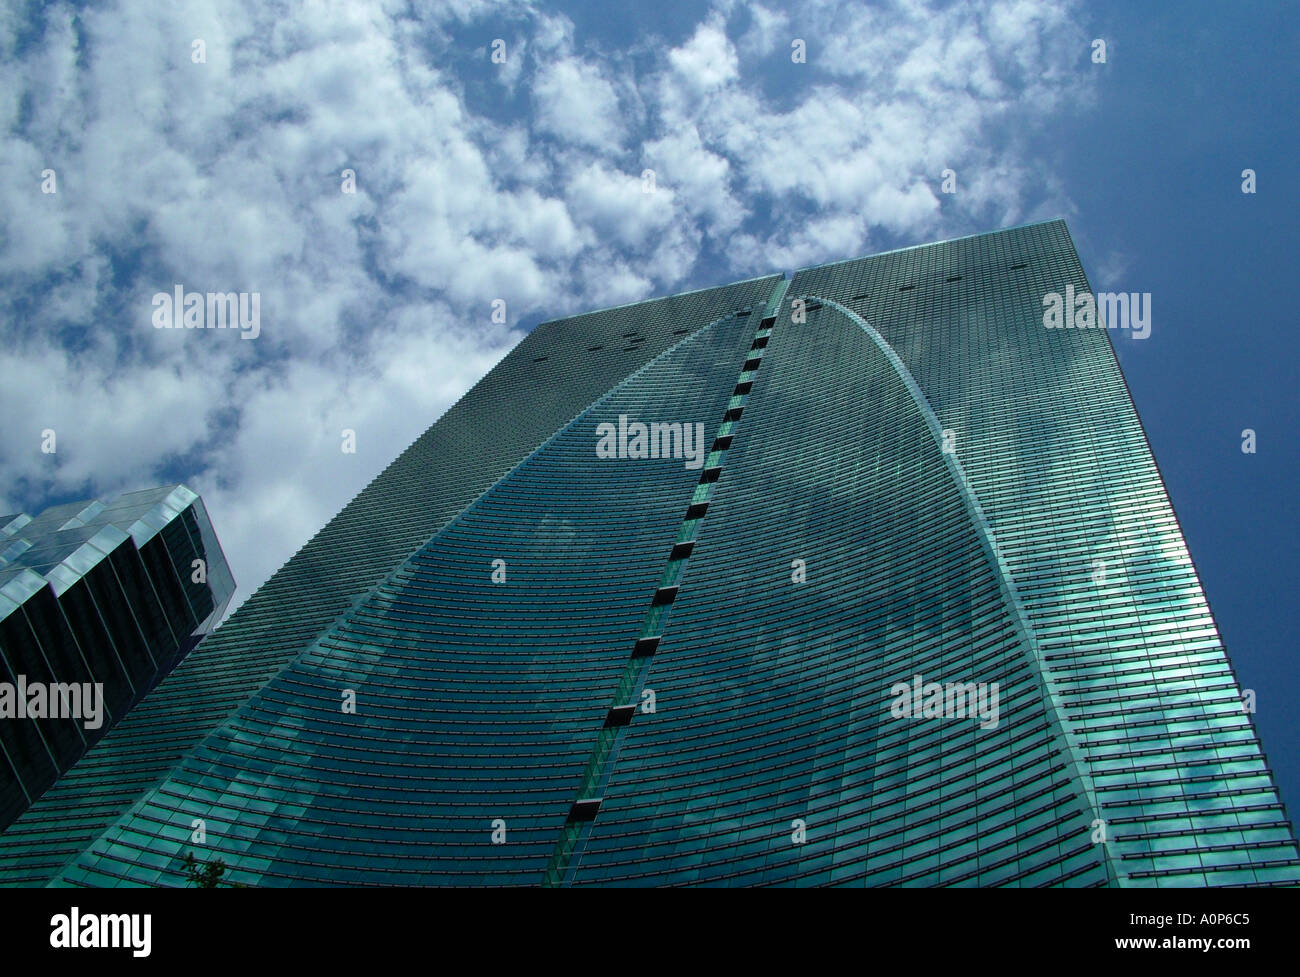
(98, 602)
(861, 577)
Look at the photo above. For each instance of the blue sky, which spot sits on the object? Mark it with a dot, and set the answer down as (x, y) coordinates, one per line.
(522, 181)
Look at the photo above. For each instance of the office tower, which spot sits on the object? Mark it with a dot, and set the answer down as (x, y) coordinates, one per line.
(863, 577)
(98, 602)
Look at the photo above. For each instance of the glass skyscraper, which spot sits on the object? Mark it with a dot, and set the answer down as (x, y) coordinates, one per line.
(861, 577)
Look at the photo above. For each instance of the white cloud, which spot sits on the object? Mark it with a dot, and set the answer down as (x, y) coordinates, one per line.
(768, 29)
(699, 176)
(708, 60)
(576, 104)
(617, 205)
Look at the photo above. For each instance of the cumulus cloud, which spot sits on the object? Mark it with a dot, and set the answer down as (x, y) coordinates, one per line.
(767, 29)
(576, 104)
(474, 181)
(708, 60)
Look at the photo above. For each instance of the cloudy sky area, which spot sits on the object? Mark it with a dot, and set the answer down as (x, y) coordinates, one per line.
(523, 181)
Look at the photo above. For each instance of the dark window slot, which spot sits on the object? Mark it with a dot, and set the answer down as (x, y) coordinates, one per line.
(665, 595)
(682, 550)
(733, 414)
(696, 509)
(759, 343)
(752, 363)
(858, 298)
(538, 359)
(767, 323)
(645, 647)
(711, 474)
(680, 332)
(953, 278)
(584, 810)
(592, 349)
(722, 443)
(1017, 267)
(743, 312)
(906, 288)
(743, 388)
(619, 716)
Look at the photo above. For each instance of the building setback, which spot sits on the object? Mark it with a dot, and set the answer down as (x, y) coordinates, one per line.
(98, 602)
(548, 647)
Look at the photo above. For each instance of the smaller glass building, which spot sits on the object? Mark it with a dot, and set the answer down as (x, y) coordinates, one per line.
(98, 602)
